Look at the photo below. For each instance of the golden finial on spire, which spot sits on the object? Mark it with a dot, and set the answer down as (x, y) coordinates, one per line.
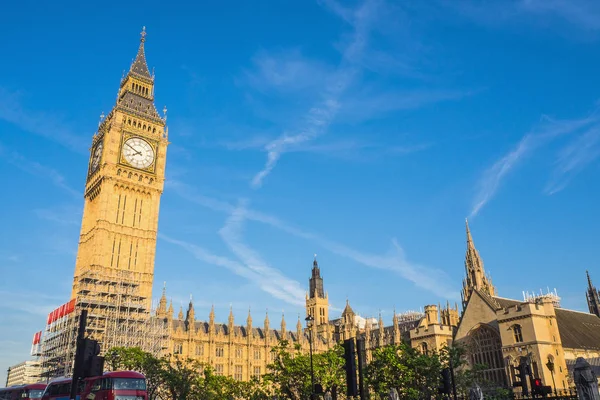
(143, 34)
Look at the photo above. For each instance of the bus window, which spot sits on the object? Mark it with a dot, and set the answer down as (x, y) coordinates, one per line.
(33, 393)
(129, 384)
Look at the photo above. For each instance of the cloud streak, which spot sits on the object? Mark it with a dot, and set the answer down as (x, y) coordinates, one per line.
(395, 261)
(492, 178)
(265, 282)
(38, 123)
(320, 116)
(37, 169)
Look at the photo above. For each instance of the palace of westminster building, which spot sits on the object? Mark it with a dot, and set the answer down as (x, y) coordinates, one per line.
(114, 274)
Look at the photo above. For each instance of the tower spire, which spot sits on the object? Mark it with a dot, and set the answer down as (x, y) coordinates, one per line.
(476, 278)
(593, 297)
(139, 65)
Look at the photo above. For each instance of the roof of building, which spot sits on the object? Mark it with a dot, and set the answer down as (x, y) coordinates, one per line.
(594, 363)
(578, 330)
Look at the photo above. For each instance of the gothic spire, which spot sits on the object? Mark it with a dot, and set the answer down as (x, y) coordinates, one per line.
(476, 278)
(283, 325)
(139, 65)
(249, 319)
(162, 303)
(593, 297)
(315, 282)
(211, 316)
(230, 320)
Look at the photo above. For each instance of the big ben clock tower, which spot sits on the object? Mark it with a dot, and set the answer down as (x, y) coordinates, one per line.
(114, 269)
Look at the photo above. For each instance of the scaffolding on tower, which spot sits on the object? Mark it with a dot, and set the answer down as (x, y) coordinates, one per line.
(119, 315)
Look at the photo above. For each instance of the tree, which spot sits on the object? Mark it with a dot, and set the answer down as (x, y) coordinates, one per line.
(412, 374)
(135, 359)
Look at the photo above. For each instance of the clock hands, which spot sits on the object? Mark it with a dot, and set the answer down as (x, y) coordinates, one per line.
(136, 151)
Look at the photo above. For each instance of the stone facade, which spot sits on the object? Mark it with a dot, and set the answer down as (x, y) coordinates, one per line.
(24, 373)
(499, 332)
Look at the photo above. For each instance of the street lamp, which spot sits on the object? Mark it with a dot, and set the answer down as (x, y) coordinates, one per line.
(550, 366)
(309, 324)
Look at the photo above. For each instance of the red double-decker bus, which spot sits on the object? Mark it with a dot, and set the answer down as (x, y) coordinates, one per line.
(23, 392)
(119, 385)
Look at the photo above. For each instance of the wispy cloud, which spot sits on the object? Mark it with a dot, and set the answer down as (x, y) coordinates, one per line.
(37, 169)
(574, 158)
(320, 116)
(272, 280)
(31, 303)
(39, 123)
(263, 281)
(581, 14)
(395, 261)
(550, 129)
(64, 215)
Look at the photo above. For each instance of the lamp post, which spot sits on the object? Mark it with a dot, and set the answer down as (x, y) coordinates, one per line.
(309, 324)
(550, 366)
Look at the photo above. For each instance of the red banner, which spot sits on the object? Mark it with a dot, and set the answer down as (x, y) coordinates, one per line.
(37, 338)
(61, 312)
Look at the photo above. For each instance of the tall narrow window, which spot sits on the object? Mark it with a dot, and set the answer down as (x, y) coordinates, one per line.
(424, 348)
(112, 256)
(140, 213)
(124, 207)
(118, 209)
(118, 253)
(137, 243)
(130, 254)
(134, 211)
(518, 333)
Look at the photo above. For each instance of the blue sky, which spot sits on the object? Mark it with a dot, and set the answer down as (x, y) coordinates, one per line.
(364, 132)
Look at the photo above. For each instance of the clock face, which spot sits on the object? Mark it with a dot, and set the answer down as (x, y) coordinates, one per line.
(96, 156)
(138, 153)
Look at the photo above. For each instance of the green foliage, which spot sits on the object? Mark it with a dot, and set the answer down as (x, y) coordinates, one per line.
(412, 374)
(415, 376)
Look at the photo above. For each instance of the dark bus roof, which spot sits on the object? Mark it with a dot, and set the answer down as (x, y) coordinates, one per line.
(29, 386)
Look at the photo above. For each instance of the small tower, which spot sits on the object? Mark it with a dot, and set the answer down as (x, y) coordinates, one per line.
(249, 323)
(475, 279)
(170, 311)
(593, 297)
(283, 331)
(317, 301)
(267, 323)
(190, 316)
(397, 335)
(381, 331)
(161, 312)
(211, 316)
(180, 315)
(299, 330)
(230, 321)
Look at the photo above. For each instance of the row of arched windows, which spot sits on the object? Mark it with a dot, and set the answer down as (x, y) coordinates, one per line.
(140, 89)
(139, 125)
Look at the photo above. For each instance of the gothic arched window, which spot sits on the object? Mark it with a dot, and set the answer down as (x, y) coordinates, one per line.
(424, 348)
(518, 333)
(485, 349)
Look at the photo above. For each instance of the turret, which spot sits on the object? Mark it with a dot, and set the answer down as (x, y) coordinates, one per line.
(180, 315)
(299, 329)
(431, 315)
(230, 320)
(267, 323)
(283, 332)
(170, 311)
(211, 319)
(476, 278)
(593, 297)
(249, 323)
(161, 312)
(190, 316)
